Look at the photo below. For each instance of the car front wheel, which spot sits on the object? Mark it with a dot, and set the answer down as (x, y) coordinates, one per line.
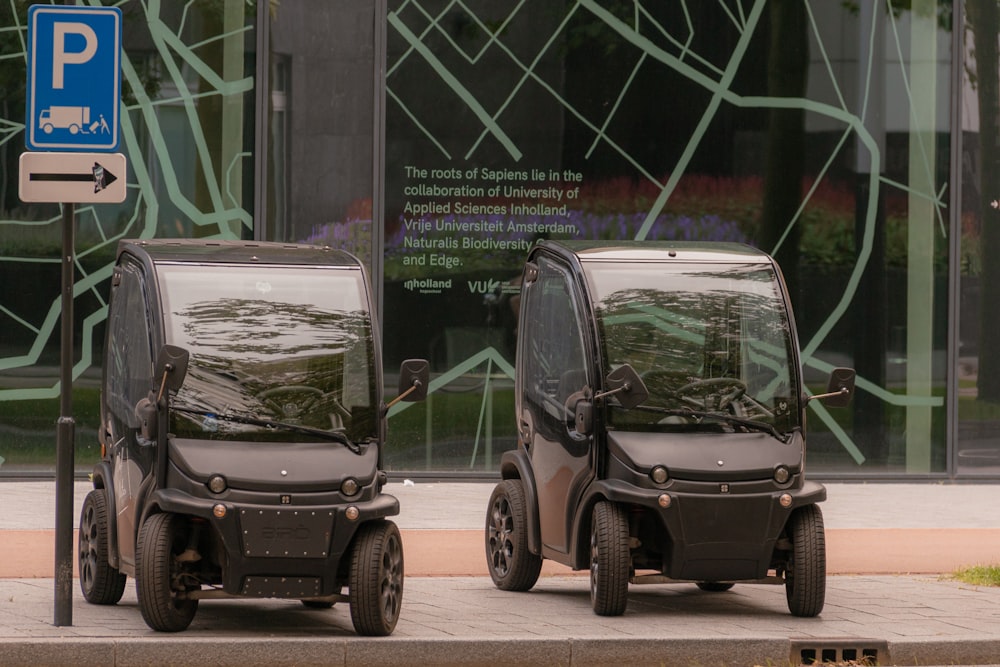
(376, 585)
(158, 576)
(609, 559)
(805, 574)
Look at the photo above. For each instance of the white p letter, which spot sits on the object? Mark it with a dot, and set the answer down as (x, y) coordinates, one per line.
(61, 57)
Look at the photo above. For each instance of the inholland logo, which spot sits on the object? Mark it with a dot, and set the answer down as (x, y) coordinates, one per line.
(427, 285)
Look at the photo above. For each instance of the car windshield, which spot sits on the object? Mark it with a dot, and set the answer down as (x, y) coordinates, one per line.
(707, 340)
(290, 344)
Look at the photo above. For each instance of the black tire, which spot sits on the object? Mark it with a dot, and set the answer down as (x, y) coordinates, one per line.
(805, 574)
(376, 584)
(100, 582)
(512, 567)
(157, 575)
(714, 586)
(609, 559)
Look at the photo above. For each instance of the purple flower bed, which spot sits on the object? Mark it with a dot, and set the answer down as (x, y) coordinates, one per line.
(509, 237)
(587, 225)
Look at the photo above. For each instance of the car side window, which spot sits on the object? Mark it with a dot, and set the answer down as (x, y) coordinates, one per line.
(553, 358)
(129, 361)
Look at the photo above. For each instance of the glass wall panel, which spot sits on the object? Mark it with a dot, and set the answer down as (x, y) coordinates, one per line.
(818, 131)
(978, 447)
(323, 122)
(187, 120)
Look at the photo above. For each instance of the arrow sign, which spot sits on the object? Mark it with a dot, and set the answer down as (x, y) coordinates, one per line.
(99, 176)
(77, 178)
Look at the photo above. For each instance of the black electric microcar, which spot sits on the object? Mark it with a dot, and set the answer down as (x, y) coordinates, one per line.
(661, 414)
(242, 426)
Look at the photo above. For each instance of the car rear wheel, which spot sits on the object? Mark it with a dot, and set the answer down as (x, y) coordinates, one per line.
(512, 567)
(376, 585)
(158, 576)
(805, 574)
(100, 582)
(609, 559)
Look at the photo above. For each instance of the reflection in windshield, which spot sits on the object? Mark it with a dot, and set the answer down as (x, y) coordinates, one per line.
(288, 344)
(710, 340)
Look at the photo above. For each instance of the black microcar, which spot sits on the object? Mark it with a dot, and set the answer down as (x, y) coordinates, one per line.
(242, 425)
(661, 417)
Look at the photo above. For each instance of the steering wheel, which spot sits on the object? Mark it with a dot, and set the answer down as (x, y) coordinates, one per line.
(727, 389)
(293, 400)
(660, 382)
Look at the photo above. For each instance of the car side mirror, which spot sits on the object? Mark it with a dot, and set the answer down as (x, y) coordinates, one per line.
(147, 413)
(839, 390)
(414, 376)
(626, 384)
(584, 417)
(171, 368)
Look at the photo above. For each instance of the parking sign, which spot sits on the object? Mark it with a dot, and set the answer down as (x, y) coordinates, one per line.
(74, 78)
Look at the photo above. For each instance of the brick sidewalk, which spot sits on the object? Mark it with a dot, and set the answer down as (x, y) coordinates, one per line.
(902, 619)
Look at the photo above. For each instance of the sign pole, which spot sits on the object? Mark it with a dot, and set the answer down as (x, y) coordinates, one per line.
(65, 435)
(72, 104)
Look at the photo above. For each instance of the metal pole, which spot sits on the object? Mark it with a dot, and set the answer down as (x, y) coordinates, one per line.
(65, 434)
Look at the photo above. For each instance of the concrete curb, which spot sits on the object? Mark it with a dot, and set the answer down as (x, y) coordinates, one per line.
(179, 651)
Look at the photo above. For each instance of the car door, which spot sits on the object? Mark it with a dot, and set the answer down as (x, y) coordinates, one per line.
(127, 379)
(552, 373)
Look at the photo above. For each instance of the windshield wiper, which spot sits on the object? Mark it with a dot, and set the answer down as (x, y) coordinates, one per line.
(336, 436)
(751, 424)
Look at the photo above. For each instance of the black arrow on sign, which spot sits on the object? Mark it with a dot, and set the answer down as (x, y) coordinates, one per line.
(99, 176)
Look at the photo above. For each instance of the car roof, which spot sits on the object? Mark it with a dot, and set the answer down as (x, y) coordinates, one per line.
(658, 251)
(201, 251)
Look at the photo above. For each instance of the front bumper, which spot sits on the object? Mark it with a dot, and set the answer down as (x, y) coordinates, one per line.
(714, 536)
(280, 550)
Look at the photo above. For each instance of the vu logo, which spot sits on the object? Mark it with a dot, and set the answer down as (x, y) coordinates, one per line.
(483, 286)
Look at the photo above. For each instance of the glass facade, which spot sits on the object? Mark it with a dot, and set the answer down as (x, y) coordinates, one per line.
(187, 131)
(855, 141)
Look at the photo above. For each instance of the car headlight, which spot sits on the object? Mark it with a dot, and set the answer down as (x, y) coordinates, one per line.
(782, 474)
(659, 475)
(349, 486)
(217, 484)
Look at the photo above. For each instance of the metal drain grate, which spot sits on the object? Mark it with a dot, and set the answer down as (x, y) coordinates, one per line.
(839, 652)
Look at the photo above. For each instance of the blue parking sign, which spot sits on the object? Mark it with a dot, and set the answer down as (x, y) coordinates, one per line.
(74, 78)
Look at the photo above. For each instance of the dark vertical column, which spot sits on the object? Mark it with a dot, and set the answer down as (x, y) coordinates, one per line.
(870, 328)
(65, 434)
(870, 324)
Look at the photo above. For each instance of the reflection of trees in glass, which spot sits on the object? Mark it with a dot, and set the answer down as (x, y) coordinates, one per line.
(268, 329)
(683, 335)
(281, 360)
(652, 329)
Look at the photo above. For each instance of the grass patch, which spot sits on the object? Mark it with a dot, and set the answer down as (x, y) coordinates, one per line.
(979, 575)
(28, 429)
(440, 433)
(971, 409)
